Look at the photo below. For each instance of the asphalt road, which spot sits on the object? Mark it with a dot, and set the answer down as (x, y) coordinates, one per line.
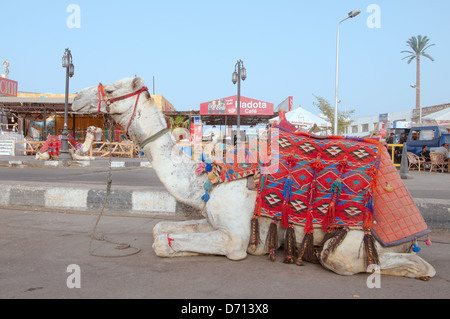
(132, 177)
(39, 246)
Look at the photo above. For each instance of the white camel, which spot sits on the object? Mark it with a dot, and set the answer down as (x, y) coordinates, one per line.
(80, 154)
(226, 228)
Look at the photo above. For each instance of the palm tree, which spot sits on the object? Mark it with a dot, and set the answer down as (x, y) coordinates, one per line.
(178, 121)
(418, 45)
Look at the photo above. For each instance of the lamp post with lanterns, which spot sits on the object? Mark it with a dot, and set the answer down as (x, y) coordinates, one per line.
(66, 63)
(239, 73)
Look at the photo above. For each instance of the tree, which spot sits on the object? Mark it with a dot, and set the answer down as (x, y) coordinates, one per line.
(418, 45)
(178, 121)
(344, 118)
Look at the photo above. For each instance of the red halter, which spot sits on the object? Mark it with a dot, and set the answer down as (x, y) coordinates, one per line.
(102, 98)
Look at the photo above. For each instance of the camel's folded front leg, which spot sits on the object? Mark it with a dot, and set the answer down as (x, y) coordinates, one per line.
(217, 242)
(184, 227)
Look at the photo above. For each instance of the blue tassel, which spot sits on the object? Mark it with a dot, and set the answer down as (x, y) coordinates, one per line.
(287, 192)
(370, 203)
(208, 167)
(336, 187)
(416, 248)
(206, 197)
(207, 186)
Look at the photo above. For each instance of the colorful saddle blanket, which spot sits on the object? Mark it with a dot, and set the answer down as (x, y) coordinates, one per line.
(53, 144)
(326, 183)
(331, 183)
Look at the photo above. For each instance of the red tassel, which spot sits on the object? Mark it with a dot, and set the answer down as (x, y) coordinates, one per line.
(258, 207)
(285, 215)
(367, 221)
(308, 223)
(330, 216)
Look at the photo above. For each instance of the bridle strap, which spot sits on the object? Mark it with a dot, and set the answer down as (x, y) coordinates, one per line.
(120, 98)
(138, 93)
(102, 98)
(154, 137)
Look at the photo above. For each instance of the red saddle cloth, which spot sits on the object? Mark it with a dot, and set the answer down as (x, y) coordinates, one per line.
(331, 182)
(339, 182)
(320, 182)
(52, 145)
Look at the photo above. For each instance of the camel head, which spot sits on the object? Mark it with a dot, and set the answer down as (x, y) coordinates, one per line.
(93, 130)
(87, 100)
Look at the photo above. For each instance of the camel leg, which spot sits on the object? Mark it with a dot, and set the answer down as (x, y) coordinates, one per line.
(226, 231)
(406, 265)
(185, 227)
(348, 259)
(217, 242)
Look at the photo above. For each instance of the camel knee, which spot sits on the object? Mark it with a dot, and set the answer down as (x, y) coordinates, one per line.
(237, 255)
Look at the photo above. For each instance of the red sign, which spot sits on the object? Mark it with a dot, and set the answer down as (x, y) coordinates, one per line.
(228, 106)
(8, 87)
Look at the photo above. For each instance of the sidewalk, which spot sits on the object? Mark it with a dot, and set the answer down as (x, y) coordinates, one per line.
(136, 189)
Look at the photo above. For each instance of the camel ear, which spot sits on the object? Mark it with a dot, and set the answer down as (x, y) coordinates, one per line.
(137, 83)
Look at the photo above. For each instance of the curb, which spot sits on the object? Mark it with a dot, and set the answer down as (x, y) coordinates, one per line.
(102, 163)
(140, 202)
(435, 212)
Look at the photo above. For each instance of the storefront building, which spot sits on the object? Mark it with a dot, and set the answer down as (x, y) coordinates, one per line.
(35, 115)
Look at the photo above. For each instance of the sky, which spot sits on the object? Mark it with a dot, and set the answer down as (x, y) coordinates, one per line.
(191, 48)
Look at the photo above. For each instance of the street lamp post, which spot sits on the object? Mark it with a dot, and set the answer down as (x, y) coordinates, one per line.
(239, 73)
(66, 63)
(352, 14)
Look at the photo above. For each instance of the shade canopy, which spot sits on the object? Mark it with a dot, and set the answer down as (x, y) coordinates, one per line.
(441, 117)
(303, 118)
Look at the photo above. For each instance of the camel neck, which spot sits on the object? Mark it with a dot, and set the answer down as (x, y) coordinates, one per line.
(174, 168)
(148, 121)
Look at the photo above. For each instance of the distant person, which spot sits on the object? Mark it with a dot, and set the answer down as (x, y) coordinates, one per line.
(402, 139)
(398, 149)
(425, 154)
(390, 139)
(444, 149)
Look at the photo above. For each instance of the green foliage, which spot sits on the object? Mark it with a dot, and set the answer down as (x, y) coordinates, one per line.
(178, 121)
(344, 118)
(418, 45)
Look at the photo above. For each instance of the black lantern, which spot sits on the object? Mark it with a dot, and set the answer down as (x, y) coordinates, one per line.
(239, 73)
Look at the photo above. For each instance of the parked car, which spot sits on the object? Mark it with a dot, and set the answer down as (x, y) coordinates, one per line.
(432, 136)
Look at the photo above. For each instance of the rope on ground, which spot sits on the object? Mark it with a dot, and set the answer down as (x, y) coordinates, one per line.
(102, 238)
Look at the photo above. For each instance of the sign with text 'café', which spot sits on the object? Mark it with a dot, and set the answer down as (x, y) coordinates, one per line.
(8, 87)
(228, 106)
